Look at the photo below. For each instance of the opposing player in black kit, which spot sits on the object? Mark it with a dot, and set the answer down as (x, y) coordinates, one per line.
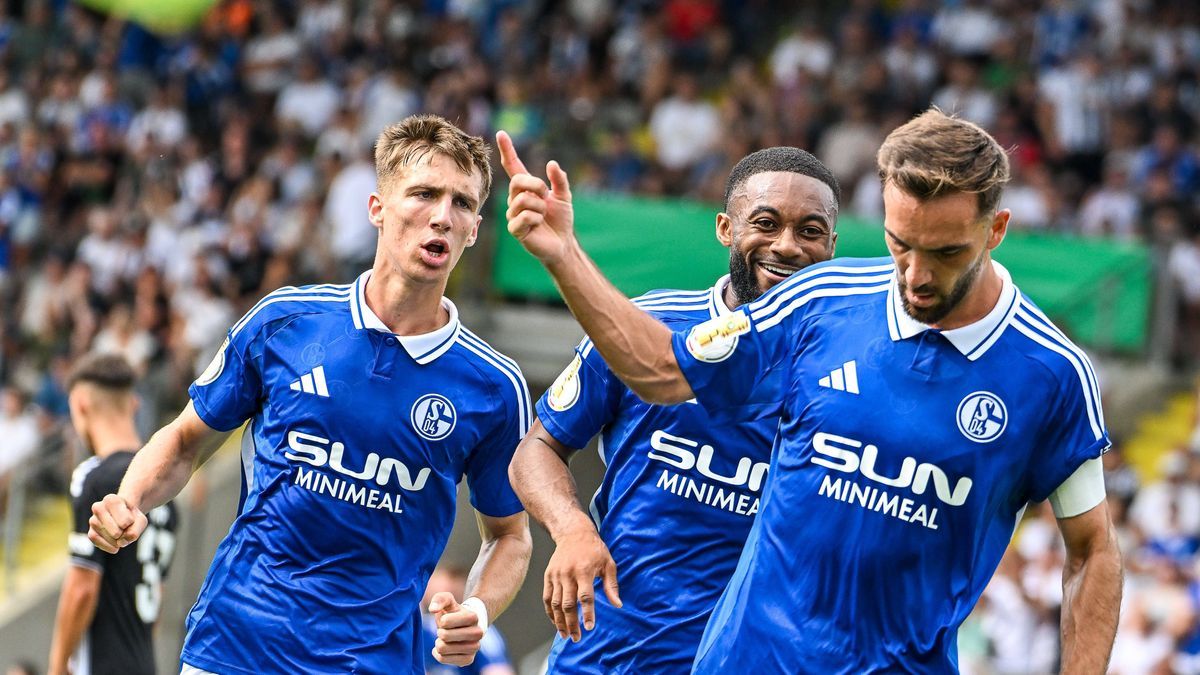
(109, 602)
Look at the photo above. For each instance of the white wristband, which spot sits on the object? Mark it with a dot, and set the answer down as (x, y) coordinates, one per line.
(476, 605)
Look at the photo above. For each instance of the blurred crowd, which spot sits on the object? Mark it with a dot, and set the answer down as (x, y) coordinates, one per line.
(1014, 629)
(152, 187)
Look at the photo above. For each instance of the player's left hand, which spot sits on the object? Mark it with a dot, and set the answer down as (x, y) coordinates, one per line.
(458, 633)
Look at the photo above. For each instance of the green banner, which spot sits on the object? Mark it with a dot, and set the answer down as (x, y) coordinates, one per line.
(1098, 292)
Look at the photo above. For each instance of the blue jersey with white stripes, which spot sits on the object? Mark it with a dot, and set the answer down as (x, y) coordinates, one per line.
(679, 494)
(904, 457)
(356, 442)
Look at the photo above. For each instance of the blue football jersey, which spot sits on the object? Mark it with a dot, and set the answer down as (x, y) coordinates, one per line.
(679, 494)
(356, 444)
(904, 458)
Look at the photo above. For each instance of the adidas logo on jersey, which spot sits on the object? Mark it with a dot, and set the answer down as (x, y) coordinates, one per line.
(844, 378)
(312, 383)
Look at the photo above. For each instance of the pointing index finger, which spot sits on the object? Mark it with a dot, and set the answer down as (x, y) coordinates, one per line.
(508, 155)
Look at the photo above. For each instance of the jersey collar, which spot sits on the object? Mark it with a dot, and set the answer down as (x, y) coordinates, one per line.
(973, 340)
(716, 299)
(422, 348)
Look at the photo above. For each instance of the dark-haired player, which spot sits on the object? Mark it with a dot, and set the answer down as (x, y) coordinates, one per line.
(923, 401)
(109, 602)
(680, 491)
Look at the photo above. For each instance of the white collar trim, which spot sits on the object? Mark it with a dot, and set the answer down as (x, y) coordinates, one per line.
(972, 340)
(716, 299)
(423, 348)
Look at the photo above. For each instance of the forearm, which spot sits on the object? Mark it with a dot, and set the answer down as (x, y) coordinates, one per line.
(543, 481)
(1091, 602)
(165, 464)
(499, 570)
(636, 346)
(75, 612)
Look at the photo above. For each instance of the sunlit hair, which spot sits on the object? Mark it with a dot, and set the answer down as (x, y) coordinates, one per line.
(412, 139)
(935, 154)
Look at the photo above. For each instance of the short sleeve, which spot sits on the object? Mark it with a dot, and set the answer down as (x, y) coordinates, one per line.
(734, 364)
(227, 392)
(582, 401)
(85, 491)
(487, 468)
(1073, 433)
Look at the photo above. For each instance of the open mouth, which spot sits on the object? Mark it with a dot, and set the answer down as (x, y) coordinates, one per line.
(775, 269)
(435, 252)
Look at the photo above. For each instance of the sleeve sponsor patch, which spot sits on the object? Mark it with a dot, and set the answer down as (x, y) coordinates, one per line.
(215, 367)
(714, 340)
(565, 390)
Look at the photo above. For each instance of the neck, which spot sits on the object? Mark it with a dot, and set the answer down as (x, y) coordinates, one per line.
(979, 301)
(405, 307)
(109, 436)
(729, 297)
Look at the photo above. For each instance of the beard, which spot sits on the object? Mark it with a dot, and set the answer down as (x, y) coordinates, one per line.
(939, 310)
(742, 279)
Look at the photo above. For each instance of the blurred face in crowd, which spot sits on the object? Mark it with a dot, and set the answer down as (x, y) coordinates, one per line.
(940, 246)
(778, 223)
(427, 215)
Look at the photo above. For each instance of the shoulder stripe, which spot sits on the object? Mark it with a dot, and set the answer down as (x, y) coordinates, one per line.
(772, 302)
(663, 293)
(671, 301)
(302, 290)
(1037, 318)
(1048, 337)
(80, 474)
(302, 297)
(781, 313)
(506, 366)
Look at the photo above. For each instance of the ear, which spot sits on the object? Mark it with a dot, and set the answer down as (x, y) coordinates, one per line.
(833, 244)
(77, 403)
(474, 232)
(998, 228)
(724, 229)
(375, 210)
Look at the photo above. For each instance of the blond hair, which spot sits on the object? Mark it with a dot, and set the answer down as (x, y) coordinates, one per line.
(412, 139)
(935, 154)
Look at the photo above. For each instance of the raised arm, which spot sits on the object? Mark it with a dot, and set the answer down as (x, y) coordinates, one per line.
(1091, 591)
(636, 346)
(157, 473)
(542, 479)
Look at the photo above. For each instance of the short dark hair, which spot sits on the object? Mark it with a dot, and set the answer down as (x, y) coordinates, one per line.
(781, 158)
(108, 371)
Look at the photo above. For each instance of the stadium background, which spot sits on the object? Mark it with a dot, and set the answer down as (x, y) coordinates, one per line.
(160, 170)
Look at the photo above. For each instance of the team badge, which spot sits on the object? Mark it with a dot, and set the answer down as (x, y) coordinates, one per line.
(982, 417)
(714, 340)
(565, 390)
(433, 416)
(215, 367)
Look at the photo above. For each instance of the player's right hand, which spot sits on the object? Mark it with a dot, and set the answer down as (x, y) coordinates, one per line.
(540, 216)
(115, 523)
(569, 582)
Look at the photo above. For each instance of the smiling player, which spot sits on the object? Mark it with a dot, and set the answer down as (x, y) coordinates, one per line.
(680, 491)
(923, 402)
(367, 403)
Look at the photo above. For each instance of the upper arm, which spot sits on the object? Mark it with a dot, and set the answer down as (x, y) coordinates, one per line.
(583, 400)
(81, 583)
(196, 436)
(495, 527)
(487, 467)
(1088, 533)
(734, 364)
(538, 434)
